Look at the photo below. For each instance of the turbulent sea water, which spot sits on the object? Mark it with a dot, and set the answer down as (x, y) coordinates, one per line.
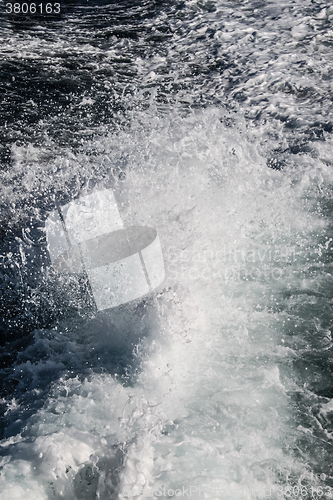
(212, 122)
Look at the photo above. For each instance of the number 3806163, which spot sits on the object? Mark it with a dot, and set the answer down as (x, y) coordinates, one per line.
(32, 8)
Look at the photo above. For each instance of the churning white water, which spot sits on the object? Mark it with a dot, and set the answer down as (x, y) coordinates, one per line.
(218, 384)
(208, 411)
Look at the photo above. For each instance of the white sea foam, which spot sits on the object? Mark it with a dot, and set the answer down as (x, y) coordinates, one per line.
(208, 411)
(207, 388)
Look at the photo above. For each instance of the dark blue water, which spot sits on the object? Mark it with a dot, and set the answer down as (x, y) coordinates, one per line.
(212, 122)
